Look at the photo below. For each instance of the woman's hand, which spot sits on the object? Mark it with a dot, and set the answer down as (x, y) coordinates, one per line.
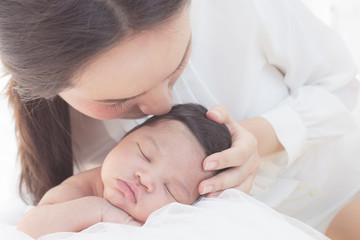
(242, 159)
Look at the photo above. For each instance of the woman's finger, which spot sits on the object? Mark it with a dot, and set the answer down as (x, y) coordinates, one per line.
(235, 156)
(229, 178)
(244, 187)
(219, 114)
(213, 194)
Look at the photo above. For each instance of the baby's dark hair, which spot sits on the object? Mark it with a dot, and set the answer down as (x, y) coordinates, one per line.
(213, 137)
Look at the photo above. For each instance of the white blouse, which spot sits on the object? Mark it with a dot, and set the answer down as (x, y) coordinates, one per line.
(269, 58)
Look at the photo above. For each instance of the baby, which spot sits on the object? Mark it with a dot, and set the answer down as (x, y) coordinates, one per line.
(156, 163)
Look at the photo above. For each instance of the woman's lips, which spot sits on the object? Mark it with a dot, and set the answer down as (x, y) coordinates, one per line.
(128, 189)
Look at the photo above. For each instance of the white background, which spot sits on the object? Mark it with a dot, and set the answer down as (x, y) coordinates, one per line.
(342, 15)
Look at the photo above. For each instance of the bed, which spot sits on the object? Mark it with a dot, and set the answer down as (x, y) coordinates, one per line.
(233, 215)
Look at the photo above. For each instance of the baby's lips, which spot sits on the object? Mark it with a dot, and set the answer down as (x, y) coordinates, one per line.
(127, 190)
(135, 189)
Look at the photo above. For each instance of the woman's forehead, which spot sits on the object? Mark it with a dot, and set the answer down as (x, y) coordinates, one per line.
(135, 64)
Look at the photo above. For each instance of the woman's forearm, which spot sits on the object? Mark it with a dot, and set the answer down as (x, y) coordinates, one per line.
(70, 216)
(265, 135)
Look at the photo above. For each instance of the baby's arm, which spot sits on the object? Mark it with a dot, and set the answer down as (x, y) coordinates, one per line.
(71, 207)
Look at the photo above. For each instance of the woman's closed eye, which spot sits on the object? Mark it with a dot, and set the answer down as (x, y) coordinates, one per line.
(118, 106)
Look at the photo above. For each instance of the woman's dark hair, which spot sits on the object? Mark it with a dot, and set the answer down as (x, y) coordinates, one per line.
(213, 137)
(43, 44)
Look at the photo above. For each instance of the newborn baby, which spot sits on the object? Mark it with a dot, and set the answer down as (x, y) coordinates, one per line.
(156, 163)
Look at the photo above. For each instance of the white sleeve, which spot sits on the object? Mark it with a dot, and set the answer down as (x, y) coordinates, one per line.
(318, 72)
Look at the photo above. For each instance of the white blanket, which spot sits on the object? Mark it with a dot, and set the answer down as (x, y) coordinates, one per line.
(233, 215)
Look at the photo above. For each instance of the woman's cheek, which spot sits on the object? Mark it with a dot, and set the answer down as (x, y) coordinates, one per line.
(104, 113)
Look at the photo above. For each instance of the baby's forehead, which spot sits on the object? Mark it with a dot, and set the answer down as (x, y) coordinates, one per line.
(195, 174)
(177, 127)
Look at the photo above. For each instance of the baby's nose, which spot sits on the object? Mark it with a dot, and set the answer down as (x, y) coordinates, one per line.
(145, 180)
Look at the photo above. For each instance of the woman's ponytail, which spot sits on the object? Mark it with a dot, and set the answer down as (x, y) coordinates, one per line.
(44, 143)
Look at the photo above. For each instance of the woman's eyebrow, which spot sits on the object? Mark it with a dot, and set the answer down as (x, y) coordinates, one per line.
(184, 56)
(130, 98)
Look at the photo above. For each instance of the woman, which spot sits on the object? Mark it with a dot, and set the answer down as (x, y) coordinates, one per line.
(286, 80)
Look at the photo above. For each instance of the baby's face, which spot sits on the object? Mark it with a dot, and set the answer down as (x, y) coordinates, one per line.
(153, 166)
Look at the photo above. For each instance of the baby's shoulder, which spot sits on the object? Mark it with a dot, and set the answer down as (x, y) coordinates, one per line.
(87, 183)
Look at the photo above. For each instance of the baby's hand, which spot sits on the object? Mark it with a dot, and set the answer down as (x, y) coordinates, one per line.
(113, 214)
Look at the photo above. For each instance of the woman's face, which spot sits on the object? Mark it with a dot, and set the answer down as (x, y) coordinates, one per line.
(136, 77)
(153, 166)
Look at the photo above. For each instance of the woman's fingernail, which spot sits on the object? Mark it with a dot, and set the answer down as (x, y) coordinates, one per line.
(207, 189)
(216, 113)
(210, 165)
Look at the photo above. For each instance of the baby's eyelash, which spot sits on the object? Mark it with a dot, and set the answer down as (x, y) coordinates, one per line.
(147, 159)
(167, 189)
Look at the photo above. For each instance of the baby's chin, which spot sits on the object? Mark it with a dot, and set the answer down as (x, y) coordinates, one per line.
(141, 215)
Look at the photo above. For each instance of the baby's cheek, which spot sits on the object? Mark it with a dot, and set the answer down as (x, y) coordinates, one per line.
(143, 210)
(107, 194)
(111, 196)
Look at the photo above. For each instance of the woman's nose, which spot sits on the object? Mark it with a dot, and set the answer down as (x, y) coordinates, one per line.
(158, 101)
(146, 180)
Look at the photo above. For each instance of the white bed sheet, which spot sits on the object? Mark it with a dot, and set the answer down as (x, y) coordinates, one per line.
(232, 215)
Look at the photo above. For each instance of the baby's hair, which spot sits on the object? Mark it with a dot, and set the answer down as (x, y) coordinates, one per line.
(213, 137)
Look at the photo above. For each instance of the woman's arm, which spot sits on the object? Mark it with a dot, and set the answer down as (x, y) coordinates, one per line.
(318, 74)
(265, 135)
